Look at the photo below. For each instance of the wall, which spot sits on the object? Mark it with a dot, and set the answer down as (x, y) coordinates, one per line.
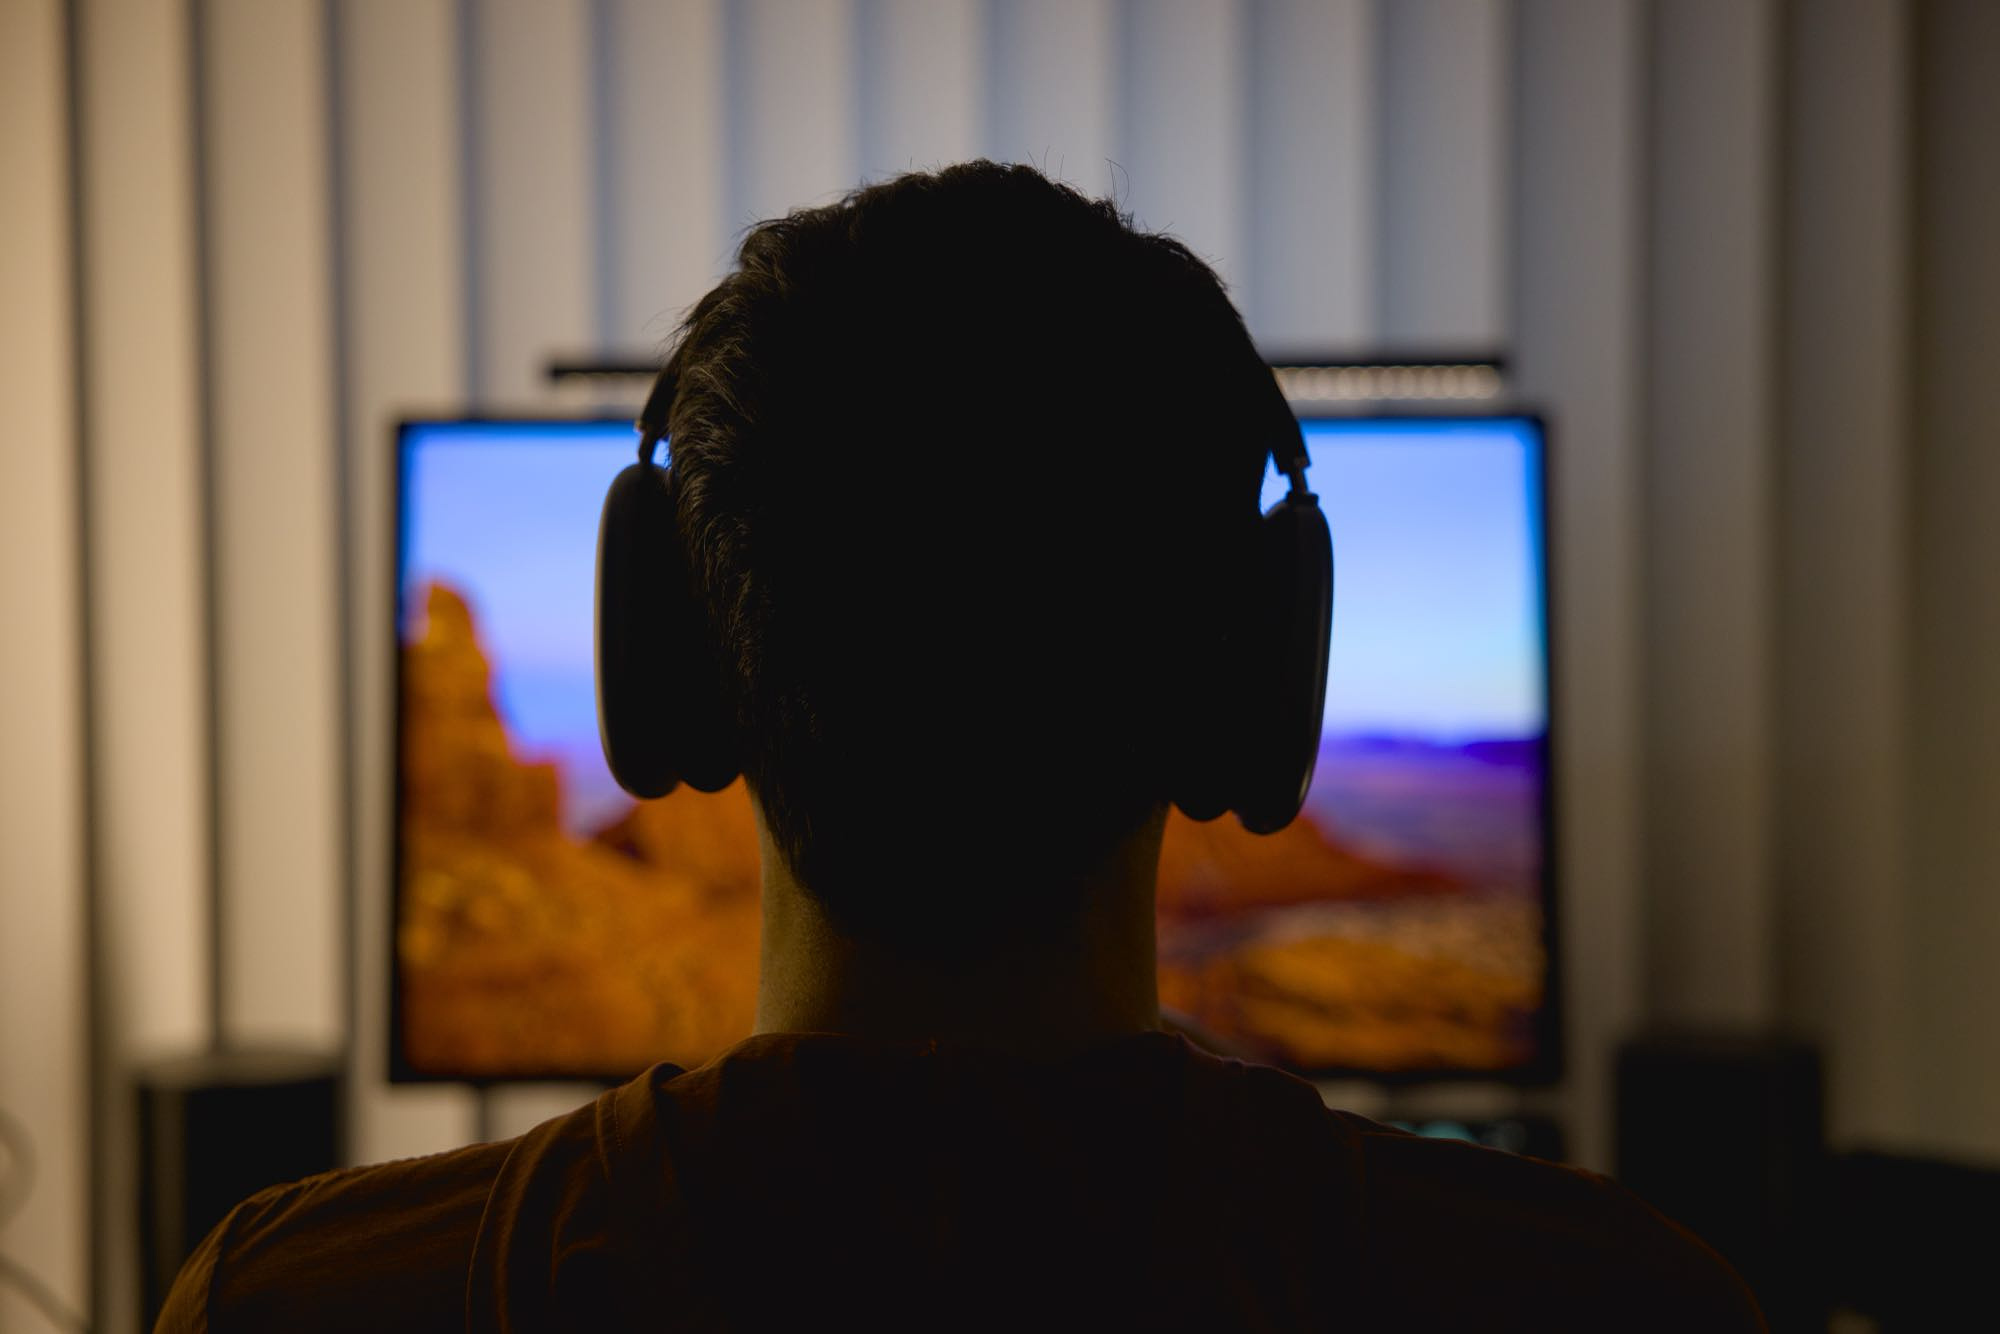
(1841, 483)
(1576, 186)
(1737, 251)
(1952, 916)
(44, 1044)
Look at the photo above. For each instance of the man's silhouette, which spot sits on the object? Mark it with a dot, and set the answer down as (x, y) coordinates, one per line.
(966, 482)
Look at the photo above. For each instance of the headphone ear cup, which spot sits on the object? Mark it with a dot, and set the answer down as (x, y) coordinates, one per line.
(659, 712)
(635, 558)
(1289, 698)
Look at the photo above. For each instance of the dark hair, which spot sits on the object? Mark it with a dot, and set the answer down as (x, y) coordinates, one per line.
(966, 483)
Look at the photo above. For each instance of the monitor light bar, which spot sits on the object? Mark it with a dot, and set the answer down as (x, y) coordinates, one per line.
(1434, 381)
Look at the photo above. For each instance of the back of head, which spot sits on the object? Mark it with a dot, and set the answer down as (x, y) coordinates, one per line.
(964, 478)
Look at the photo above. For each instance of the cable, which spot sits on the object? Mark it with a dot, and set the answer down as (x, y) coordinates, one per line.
(14, 1191)
(20, 1180)
(16, 1275)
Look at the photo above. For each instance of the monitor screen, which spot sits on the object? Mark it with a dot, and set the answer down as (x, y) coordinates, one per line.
(546, 925)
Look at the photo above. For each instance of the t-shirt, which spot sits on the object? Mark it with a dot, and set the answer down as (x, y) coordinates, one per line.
(800, 1181)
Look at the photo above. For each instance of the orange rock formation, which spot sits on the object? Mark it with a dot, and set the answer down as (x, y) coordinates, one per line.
(524, 949)
(1217, 867)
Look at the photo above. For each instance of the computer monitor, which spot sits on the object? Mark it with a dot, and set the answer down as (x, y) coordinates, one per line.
(1403, 928)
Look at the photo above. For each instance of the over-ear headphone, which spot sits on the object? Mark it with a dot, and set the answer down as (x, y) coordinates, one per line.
(1253, 746)
(664, 718)
(661, 712)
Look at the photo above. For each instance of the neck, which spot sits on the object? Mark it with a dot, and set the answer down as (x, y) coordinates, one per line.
(1093, 980)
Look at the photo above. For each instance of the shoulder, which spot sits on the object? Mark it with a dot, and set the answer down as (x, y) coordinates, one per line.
(386, 1246)
(312, 1253)
(1450, 1222)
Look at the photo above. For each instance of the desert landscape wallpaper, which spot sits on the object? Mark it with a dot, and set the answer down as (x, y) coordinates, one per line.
(548, 925)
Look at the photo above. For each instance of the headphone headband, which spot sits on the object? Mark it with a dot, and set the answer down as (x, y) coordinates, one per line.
(649, 440)
(1288, 452)
(1287, 445)
(1288, 438)
(652, 422)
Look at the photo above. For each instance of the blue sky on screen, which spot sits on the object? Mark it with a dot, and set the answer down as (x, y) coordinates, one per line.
(507, 514)
(1437, 612)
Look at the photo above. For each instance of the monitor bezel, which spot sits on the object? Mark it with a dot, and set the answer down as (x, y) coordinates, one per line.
(1546, 1068)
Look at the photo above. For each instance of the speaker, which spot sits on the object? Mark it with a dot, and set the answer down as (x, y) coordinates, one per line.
(1725, 1134)
(217, 1128)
